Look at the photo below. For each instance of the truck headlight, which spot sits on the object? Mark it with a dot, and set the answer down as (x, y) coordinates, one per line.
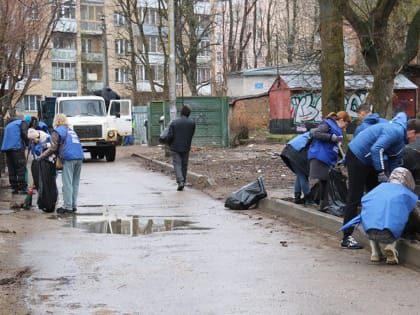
(111, 134)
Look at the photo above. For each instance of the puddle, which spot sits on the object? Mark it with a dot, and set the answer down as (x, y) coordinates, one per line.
(129, 225)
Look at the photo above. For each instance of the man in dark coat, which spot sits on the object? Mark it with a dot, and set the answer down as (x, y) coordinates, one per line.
(180, 133)
(15, 141)
(108, 94)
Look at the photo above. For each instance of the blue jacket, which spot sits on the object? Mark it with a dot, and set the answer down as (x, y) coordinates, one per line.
(13, 135)
(368, 121)
(322, 148)
(70, 147)
(300, 141)
(387, 206)
(380, 140)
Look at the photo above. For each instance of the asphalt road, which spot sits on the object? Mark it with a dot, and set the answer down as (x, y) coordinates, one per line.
(138, 246)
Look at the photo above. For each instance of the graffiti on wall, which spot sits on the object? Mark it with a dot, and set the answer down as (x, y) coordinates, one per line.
(307, 107)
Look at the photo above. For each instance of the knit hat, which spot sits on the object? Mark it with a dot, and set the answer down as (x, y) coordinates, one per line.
(33, 134)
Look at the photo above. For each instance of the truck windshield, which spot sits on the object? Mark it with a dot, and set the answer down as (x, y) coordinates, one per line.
(82, 108)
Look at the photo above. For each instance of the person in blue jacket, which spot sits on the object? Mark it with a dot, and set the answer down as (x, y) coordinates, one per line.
(38, 140)
(295, 156)
(324, 150)
(367, 118)
(66, 143)
(365, 161)
(385, 212)
(15, 141)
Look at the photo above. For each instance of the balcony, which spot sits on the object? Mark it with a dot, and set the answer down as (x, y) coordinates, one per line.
(92, 57)
(89, 27)
(94, 85)
(64, 85)
(66, 26)
(63, 55)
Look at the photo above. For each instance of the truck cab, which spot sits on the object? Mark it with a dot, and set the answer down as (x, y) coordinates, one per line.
(97, 128)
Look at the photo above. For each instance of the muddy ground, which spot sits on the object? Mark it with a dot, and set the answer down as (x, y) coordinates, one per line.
(228, 169)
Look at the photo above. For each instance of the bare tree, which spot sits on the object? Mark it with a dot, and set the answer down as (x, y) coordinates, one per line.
(332, 57)
(25, 32)
(388, 33)
(192, 37)
(138, 18)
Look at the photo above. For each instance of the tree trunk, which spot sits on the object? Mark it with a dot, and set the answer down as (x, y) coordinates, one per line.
(332, 57)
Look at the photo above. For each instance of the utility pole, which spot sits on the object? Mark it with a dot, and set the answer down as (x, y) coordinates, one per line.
(105, 79)
(172, 68)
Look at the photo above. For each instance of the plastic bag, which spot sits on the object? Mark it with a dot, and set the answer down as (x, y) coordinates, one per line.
(247, 196)
(337, 192)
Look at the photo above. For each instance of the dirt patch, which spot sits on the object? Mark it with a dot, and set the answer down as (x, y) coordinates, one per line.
(228, 169)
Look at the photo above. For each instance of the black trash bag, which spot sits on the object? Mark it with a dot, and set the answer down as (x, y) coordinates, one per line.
(247, 196)
(47, 186)
(337, 192)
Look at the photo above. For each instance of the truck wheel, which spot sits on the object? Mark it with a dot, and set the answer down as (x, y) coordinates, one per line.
(94, 155)
(110, 154)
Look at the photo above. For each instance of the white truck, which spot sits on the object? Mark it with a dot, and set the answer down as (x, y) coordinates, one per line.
(99, 129)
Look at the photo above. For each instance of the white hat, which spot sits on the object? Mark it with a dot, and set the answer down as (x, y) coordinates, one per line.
(33, 134)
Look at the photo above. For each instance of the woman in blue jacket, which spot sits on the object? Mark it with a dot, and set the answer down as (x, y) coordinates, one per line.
(66, 143)
(385, 212)
(323, 152)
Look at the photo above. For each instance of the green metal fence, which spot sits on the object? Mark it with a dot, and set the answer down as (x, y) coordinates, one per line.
(209, 113)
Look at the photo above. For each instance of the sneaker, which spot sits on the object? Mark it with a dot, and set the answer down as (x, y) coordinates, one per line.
(391, 255)
(62, 210)
(350, 243)
(180, 186)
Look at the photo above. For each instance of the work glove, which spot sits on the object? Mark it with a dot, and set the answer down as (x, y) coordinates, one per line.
(382, 178)
(335, 138)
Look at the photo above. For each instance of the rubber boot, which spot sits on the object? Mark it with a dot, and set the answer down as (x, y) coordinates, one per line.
(298, 200)
(376, 253)
(391, 253)
(307, 200)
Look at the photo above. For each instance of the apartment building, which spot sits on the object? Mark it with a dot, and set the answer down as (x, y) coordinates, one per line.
(89, 49)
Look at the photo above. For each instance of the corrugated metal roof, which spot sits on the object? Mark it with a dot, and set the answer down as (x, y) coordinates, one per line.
(311, 79)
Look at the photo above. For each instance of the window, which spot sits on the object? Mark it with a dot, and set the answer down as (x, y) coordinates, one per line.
(68, 10)
(34, 11)
(151, 16)
(154, 44)
(63, 71)
(157, 73)
(34, 42)
(203, 74)
(86, 45)
(121, 46)
(63, 41)
(121, 75)
(63, 94)
(29, 103)
(204, 48)
(119, 19)
(90, 13)
(27, 70)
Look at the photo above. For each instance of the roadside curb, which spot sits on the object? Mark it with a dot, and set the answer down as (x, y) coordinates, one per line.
(195, 179)
(409, 253)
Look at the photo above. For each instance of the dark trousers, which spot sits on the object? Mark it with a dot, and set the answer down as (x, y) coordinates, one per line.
(180, 163)
(16, 167)
(361, 178)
